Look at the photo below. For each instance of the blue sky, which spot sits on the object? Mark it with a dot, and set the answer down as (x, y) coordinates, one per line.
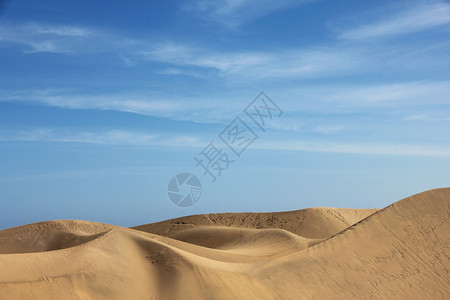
(100, 105)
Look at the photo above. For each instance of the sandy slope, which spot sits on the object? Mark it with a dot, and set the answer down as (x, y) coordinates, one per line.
(400, 252)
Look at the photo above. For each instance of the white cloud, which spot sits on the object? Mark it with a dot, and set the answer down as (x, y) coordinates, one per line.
(172, 107)
(374, 149)
(310, 62)
(419, 117)
(121, 137)
(127, 103)
(408, 93)
(440, 115)
(407, 98)
(109, 137)
(38, 37)
(233, 13)
(418, 18)
(185, 141)
(61, 39)
(49, 135)
(184, 55)
(58, 30)
(236, 66)
(180, 72)
(254, 65)
(321, 61)
(329, 129)
(310, 99)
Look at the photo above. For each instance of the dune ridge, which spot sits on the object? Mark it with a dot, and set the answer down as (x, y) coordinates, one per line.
(318, 222)
(401, 252)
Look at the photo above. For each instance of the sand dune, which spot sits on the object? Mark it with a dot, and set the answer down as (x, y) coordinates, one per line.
(321, 222)
(399, 252)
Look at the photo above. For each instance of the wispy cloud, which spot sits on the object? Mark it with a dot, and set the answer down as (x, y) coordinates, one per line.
(195, 60)
(189, 60)
(121, 137)
(353, 148)
(180, 72)
(37, 37)
(329, 129)
(440, 115)
(179, 54)
(127, 103)
(171, 107)
(410, 93)
(292, 63)
(339, 99)
(60, 30)
(233, 13)
(421, 17)
(330, 60)
(49, 135)
(311, 99)
(109, 137)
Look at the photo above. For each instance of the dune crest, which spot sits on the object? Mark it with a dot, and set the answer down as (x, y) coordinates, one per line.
(319, 222)
(48, 236)
(398, 252)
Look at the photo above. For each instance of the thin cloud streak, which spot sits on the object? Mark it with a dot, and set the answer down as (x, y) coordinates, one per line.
(172, 107)
(336, 60)
(36, 37)
(121, 137)
(352, 148)
(295, 63)
(411, 93)
(197, 61)
(315, 99)
(109, 137)
(419, 18)
(232, 14)
(127, 103)
(62, 39)
(50, 135)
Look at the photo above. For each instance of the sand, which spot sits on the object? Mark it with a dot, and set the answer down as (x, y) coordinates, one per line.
(399, 252)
